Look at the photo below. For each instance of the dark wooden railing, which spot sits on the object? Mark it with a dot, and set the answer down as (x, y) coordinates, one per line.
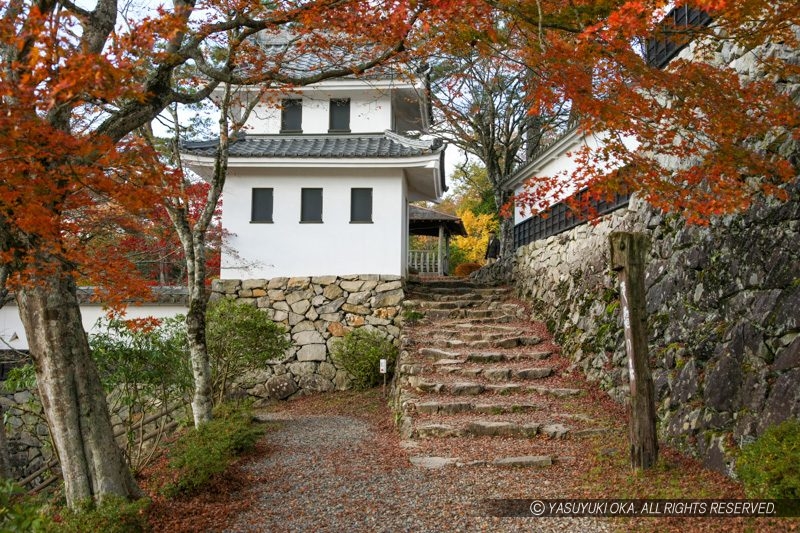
(673, 35)
(560, 218)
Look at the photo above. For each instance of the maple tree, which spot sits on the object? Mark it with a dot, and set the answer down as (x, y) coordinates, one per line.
(77, 83)
(156, 250)
(709, 137)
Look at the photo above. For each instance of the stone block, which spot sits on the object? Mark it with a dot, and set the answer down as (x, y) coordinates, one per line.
(226, 286)
(300, 295)
(303, 326)
(331, 307)
(279, 316)
(351, 286)
(301, 307)
(316, 383)
(342, 381)
(354, 320)
(295, 318)
(312, 314)
(298, 283)
(281, 386)
(332, 292)
(277, 283)
(323, 280)
(303, 368)
(484, 428)
(358, 298)
(312, 352)
(326, 370)
(355, 309)
(389, 286)
(386, 312)
(276, 295)
(337, 329)
(389, 298)
(311, 336)
(254, 283)
(369, 285)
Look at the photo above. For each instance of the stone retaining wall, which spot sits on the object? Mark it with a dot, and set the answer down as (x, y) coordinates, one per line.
(724, 332)
(28, 436)
(316, 311)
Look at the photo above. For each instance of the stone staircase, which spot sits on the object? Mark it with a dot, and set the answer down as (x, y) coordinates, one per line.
(478, 383)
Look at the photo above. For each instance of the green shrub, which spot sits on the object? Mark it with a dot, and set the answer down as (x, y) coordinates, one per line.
(240, 338)
(17, 513)
(770, 467)
(144, 366)
(359, 354)
(113, 515)
(200, 454)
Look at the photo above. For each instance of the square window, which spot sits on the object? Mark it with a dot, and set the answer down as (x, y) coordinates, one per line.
(261, 209)
(291, 115)
(360, 205)
(340, 115)
(311, 205)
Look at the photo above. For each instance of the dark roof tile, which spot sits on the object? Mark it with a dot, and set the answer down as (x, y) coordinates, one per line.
(386, 144)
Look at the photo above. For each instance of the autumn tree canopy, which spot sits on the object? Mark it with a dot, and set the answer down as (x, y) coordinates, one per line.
(77, 83)
(711, 132)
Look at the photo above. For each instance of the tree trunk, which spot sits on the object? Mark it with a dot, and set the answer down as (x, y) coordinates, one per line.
(74, 402)
(203, 400)
(506, 233)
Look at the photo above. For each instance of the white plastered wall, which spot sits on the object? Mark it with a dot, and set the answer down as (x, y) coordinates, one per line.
(12, 333)
(370, 112)
(287, 247)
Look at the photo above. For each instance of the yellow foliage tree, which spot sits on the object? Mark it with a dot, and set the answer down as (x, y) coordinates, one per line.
(473, 246)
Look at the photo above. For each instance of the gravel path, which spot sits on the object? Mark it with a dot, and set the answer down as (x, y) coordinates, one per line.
(335, 472)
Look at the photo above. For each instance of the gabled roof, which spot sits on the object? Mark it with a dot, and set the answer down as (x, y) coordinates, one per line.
(374, 145)
(424, 221)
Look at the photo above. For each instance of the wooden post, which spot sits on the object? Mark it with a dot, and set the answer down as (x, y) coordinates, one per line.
(441, 250)
(628, 251)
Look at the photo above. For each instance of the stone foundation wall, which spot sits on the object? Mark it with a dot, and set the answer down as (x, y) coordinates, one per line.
(724, 331)
(28, 436)
(316, 311)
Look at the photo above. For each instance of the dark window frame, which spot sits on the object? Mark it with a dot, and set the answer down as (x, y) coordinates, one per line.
(256, 214)
(339, 122)
(305, 207)
(360, 219)
(292, 115)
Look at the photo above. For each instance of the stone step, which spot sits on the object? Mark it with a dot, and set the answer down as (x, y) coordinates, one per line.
(499, 357)
(469, 313)
(489, 428)
(483, 344)
(469, 388)
(451, 408)
(437, 305)
(500, 373)
(525, 461)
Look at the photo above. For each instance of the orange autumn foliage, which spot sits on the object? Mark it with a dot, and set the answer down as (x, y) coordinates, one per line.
(709, 138)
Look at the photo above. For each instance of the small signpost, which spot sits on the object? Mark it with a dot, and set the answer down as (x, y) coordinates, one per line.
(628, 252)
(383, 371)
